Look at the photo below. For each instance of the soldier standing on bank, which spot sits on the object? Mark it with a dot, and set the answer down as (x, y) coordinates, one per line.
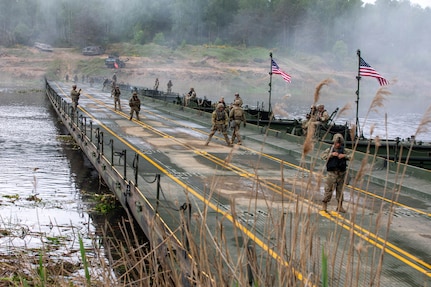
(169, 86)
(135, 105)
(236, 116)
(117, 94)
(220, 120)
(156, 84)
(74, 95)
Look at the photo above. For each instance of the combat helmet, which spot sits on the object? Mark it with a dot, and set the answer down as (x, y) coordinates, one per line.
(338, 138)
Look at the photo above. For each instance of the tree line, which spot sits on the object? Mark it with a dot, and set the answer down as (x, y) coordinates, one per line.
(309, 26)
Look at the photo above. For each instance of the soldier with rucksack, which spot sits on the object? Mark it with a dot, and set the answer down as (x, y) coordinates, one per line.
(135, 106)
(117, 94)
(220, 120)
(236, 116)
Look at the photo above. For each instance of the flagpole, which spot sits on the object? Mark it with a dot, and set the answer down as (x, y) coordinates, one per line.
(358, 77)
(270, 84)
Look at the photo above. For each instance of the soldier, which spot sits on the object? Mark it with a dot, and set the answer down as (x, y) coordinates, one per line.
(117, 94)
(238, 98)
(114, 77)
(105, 84)
(169, 86)
(236, 116)
(221, 101)
(113, 85)
(322, 114)
(74, 94)
(220, 120)
(135, 106)
(156, 84)
(336, 165)
(309, 118)
(190, 96)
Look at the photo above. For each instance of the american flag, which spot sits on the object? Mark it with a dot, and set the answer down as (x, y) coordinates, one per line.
(366, 70)
(276, 70)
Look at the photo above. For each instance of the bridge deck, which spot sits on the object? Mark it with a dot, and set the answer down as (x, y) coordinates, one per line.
(264, 196)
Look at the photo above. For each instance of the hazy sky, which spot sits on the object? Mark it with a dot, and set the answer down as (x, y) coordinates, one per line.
(422, 3)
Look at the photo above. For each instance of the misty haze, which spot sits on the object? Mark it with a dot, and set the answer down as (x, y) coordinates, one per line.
(310, 40)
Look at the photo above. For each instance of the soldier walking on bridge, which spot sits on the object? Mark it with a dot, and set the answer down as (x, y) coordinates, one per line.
(236, 116)
(135, 105)
(74, 95)
(336, 165)
(113, 85)
(220, 120)
(117, 94)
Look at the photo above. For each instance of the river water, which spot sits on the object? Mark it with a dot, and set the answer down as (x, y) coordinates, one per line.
(46, 184)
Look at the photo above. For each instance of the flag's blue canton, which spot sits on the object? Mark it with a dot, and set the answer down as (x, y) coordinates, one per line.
(276, 70)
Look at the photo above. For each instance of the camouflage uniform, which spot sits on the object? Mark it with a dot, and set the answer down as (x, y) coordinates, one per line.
(191, 95)
(220, 120)
(336, 165)
(237, 116)
(74, 94)
(135, 106)
(117, 94)
(113, 85)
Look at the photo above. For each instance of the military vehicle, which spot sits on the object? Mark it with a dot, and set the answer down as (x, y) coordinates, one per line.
(115, 62)
(43, 47)
(93, 51)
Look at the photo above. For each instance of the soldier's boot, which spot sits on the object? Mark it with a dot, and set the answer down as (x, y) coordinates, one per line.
(226, 138)
(130, 117)
(239, 140)
(232, 141)
(208, 140)
(340, 207)
(325, 206)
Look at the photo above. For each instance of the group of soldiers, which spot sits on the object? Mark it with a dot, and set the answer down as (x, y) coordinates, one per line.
(222, 118)
(157, 83)
(336, 156)
(134, 101)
